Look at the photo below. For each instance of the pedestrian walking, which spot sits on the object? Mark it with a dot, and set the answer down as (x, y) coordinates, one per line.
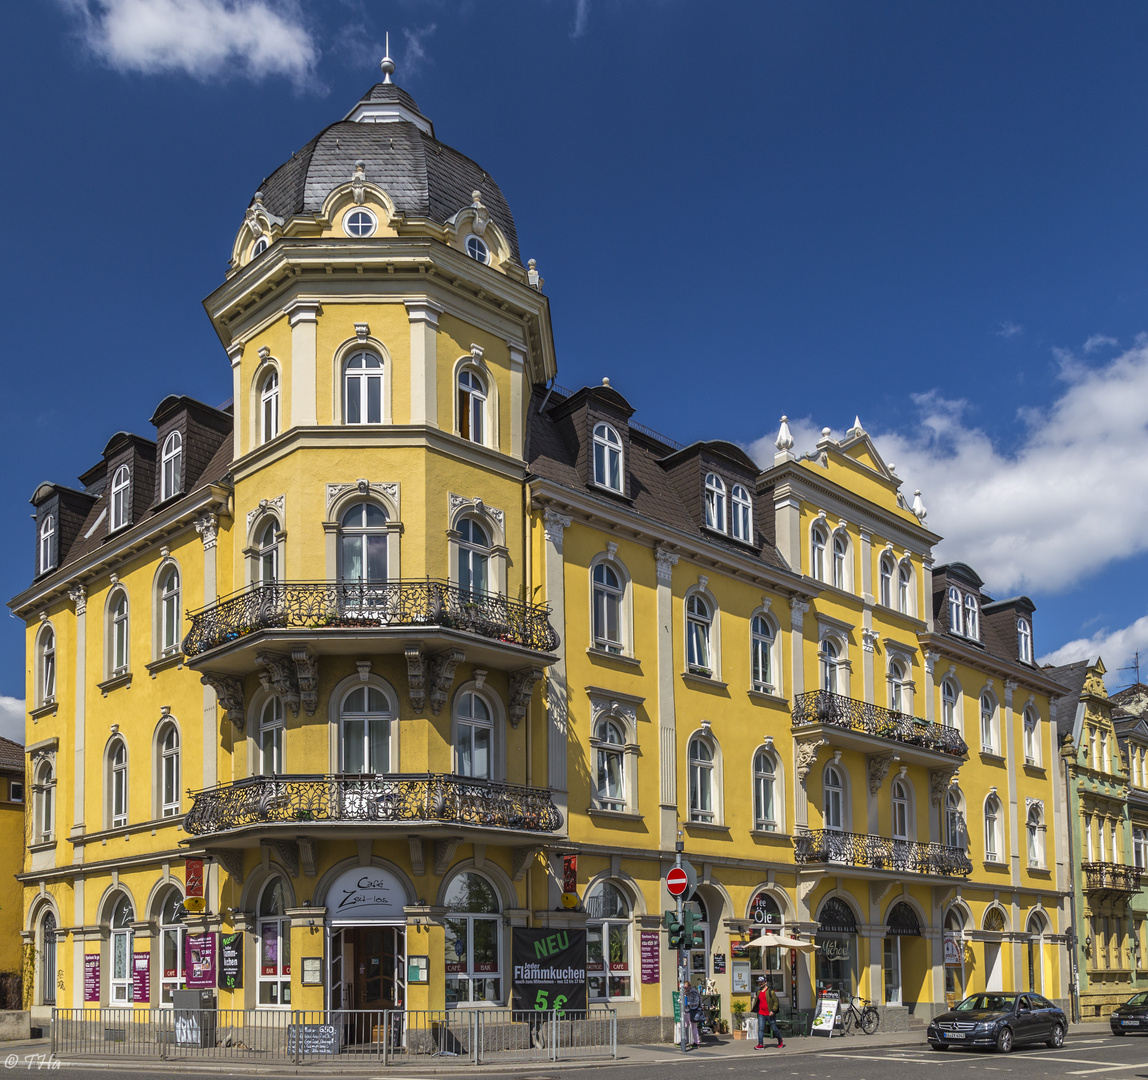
(691, 1014)
(765, 1004)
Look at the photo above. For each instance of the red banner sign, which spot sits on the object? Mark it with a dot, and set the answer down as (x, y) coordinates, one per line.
(570, 873)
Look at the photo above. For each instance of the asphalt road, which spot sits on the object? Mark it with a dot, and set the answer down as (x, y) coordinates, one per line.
(1085, 1056)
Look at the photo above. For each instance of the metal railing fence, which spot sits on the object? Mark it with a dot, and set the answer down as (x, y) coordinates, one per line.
(302, 1036)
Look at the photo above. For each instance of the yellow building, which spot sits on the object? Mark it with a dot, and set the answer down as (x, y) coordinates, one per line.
(12, 802)
(449, 623)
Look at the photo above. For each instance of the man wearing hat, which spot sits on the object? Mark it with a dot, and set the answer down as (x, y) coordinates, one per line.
(765, 1004)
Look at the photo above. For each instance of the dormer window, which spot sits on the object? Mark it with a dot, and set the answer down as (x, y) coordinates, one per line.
(956, 622)
(742, 514)
(120, 497)
(715, 502)
(46, 558)
(972, 627)
(259, 248)
(359, 223)
(607, 457)
(476, 248)
(1024, 641)
(171, 461)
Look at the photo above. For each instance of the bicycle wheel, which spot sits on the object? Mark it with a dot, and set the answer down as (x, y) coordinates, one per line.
(847, 1022)
(870, 1018)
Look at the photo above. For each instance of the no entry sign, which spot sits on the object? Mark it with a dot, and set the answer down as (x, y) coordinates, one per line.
(677, 882)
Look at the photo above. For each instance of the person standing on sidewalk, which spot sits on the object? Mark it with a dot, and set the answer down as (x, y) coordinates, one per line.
(691, 1013)
(765, 1004)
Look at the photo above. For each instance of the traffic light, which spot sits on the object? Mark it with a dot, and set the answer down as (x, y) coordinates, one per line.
(691, 938)
(670, 922)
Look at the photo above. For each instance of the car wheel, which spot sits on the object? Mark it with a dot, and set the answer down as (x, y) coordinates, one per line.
(1004, 1040)
(1057, 1037)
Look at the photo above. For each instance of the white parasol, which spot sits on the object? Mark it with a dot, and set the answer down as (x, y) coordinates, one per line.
(783, 941)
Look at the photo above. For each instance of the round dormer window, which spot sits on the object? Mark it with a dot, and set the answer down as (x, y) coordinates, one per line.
(477, 249)
(360, 222)
(259, 248)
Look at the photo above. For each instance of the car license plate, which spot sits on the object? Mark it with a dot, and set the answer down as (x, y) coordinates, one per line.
(954, 1034)
(1130, 1023)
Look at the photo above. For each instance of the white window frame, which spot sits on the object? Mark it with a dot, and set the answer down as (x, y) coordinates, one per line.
(44, 803)
(119, 633)
(267, 553)
(473, 395)
(834, 666)
(741, 514)
(477, 248)
(608, 710)
(1024, 640)
(171, 930)
(364, 534)
(972, 617)
(956, 611)
(901, 809)
(1032, 739)
(168, 772)
(990, 727)
(818, 540)
(120, 488)
(46, 670)
(615, 922)
(763, 661)
(900, 685)
(715, 503)
(905, 591)
(956, 829)
(607, 597)
(269, 406)
(387, 716)
(473, 557)
(610, 736)
(47, 535)
(171, 466)
(168, 590)
(366, 224)
(369, 370)
(608, 458)
(1034, 830)
(469, 976)
(700, 659)
(703, 780)
(122, 945)
(767, 775)
(271, 738)
(468, 726)
(840, 559)
(886, 568)
(951, 711)
(835, 798)
(994, 840)
(118, 791)
(278, 981)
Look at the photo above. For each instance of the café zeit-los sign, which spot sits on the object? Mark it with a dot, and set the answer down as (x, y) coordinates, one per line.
(366, 893)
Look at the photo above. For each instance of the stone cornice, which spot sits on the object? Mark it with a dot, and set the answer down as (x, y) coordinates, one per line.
(1023, 674)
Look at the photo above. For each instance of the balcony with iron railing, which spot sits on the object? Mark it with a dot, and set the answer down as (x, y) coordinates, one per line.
(1111, 878)
(879, 853)
(859, 725)
(311, 804)
(331, 616)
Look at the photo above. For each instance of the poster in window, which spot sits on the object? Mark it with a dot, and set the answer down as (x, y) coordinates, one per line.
(199, 961)
(651, 956)
(549, 969)
(141, 976)
(740, 976)
(91, 977)
(230, 962)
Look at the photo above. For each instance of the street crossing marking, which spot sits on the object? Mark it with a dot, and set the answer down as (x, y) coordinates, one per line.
(1108, 1068)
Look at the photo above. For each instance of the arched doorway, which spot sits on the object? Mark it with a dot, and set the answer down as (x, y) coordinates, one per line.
(954, 956)
(994, 924)
(1037, 928)
(836, 948)
(902, 957)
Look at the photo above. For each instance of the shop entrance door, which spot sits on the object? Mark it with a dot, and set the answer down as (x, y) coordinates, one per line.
(376, 976)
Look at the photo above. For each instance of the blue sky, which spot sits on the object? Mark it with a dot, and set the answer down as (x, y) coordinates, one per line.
(930, 216)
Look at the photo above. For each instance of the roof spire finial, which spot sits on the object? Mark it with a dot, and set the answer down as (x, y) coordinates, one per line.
(387, 64)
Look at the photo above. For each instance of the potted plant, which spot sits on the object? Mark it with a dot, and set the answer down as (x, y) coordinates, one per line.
(738, 1025)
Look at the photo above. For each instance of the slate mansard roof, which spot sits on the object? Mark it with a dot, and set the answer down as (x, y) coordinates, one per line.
(424, 177)
(11, 756)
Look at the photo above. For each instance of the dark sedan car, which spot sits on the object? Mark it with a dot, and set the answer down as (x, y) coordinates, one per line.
(1000, 1021)
(1131, 1016)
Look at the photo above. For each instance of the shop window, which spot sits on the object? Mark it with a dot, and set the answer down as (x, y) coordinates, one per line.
(608, 943)
(274, 945)
(172, 938)
(473, 939)
(836, 956)
(123, 941)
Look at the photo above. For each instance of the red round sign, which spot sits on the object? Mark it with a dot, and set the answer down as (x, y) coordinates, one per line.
(676, 881)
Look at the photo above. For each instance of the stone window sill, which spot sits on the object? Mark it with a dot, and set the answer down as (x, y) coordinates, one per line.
(48, 844)
(706, 827)
(115, 683)
(703, 680)
(174, 660)
(1034, 769)
(770, 834)
(621, 815)
(764, 697)
(49, 708)
(613, 657)
(995, 864)
(993, 756)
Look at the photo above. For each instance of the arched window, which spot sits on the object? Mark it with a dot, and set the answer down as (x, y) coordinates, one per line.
(699, 623)
(118, 783)
(761, 654)
(172, 938)
(363, 389)
(47, 556)
(949, 699)
(269, 406)
(473, 939)
(259, 247)
(1034, 825)
(993, 851)
(608, 933)
(471, 406)
(1037, 927)
(48, 959)
(900, 805)
(817, 552)
(267, 554)
(898, 687)
(274, 945)
(742, 514)
(363, 544)
(476, 248)
(956, 622)
(610, 784)
(169, 619)
(1031, 736)
(715, 502)
(46, 683)
(701, 780)
(956, 835)
(473, 557)
(830, 666)
(120, 497)
(171, 466)
(904, 586)
(994, 921)
(474, 748)
(1024, 641)
(123, 940)
(840, 551)
(607, 588)
(119, 658)
(765, 801)
(271, 725)
(885, 578)
(169, 771)
(988, 723)
(44, 802)
(972, 622)
(365, 718)
(607, 457)
(834, 794)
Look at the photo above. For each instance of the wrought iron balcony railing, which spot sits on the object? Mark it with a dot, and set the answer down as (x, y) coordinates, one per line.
(879, 853)
(823, 707)
(1111, 877)
(330, 605)
(430, 798)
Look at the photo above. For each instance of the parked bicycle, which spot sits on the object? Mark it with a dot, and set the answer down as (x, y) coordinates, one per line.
(862, 1013)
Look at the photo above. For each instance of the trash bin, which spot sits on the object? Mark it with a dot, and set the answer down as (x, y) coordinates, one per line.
(194, 1017)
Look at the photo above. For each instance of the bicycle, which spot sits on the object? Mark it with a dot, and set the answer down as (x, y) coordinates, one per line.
(863, 1013)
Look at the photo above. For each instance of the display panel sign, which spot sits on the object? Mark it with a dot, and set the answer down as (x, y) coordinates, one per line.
(141, 976)
(826, 1016)
(366, 892)
(549, 970)
(199, 961)
(91, 976)
(193, 885)
(952, 952)
(230, 961)
(651, 956)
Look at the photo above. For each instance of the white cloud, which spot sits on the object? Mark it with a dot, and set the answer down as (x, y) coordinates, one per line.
(12, 718)
(415, 57)
(1008, 329)
(205, 39)
(1116, 647)
(581, 18)
(1066, 503)
(1099, 341)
